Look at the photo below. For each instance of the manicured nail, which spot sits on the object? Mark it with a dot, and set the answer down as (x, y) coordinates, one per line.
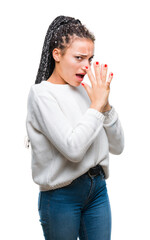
(112, 74)
(82, 84)
(97, 63)
(105, 65)
(86, 67)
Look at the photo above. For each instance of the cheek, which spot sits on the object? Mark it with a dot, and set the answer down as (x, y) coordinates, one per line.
(73, 66)
(72, 62)
(68, 63)
(70, 67)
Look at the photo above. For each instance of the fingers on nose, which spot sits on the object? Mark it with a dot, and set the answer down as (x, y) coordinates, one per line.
(90, 74)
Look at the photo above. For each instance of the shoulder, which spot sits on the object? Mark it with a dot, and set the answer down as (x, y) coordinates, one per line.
(40, 91)
(37, 88)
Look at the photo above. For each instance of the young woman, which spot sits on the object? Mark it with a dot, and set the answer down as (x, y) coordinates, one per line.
(72, 128)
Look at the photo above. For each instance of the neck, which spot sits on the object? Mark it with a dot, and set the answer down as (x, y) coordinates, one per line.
(56, 78)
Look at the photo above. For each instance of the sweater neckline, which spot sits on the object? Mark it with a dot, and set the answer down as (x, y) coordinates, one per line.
(56, 85)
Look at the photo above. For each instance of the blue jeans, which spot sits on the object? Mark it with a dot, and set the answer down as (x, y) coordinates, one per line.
(79, 210)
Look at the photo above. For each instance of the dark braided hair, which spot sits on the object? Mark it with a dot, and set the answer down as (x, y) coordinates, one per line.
(59, 35)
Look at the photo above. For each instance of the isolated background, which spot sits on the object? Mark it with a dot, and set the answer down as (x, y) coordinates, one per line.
(122, 41)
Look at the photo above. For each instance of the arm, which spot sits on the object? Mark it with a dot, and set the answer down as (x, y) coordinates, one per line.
(114, 131)
(72, 142)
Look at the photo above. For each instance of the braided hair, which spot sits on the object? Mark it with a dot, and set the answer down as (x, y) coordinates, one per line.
(59, 35)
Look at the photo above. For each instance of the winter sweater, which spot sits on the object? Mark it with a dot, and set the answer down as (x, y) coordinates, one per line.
(67, 137)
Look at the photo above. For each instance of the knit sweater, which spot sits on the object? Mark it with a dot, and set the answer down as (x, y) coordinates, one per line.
(68, 137)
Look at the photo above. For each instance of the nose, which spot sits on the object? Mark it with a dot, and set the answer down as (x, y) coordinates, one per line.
(87, 64)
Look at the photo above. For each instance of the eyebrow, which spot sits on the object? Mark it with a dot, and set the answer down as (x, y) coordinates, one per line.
(85, 55)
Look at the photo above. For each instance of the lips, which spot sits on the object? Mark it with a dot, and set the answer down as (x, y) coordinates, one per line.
(80, 74)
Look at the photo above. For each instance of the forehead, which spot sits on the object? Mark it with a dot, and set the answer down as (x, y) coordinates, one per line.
(82, 46)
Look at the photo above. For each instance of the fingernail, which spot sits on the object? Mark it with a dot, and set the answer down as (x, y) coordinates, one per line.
(86, 67)
(82, 84)
(112, 74)
(105, 65)
(97, 63)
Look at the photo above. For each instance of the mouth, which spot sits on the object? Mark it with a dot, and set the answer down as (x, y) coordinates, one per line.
(80, 76)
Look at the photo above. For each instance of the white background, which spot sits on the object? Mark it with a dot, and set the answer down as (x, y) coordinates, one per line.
(122, 41)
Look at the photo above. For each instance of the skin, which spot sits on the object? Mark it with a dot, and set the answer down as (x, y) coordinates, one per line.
(71, 63)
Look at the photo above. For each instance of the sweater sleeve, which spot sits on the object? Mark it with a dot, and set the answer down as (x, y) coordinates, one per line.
(71, 142)
(114, 131)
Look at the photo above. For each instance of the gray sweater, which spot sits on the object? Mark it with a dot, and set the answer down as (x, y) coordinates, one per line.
(67, 136)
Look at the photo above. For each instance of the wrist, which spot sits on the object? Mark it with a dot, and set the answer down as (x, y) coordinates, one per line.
(108, 108)
(100, 109)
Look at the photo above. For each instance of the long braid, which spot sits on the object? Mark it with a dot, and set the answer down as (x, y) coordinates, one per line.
(61, 27)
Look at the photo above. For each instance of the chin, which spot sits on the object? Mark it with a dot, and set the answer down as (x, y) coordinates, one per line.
(75, 84)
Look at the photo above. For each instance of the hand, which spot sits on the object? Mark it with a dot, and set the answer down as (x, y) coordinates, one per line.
(100, 90)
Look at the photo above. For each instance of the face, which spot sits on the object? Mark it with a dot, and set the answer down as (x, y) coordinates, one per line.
(77, 56)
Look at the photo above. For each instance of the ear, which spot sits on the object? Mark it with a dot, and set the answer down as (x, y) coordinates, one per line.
(56, 54)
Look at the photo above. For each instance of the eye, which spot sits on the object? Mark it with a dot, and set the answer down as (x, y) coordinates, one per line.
(78, 57)
(90, 60)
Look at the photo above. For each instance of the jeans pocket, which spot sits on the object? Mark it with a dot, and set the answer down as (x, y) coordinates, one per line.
(39, 201)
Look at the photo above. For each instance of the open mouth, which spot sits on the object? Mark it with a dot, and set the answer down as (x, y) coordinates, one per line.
(80, 76)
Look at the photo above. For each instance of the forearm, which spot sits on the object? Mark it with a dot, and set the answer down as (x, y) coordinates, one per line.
(114, 131)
